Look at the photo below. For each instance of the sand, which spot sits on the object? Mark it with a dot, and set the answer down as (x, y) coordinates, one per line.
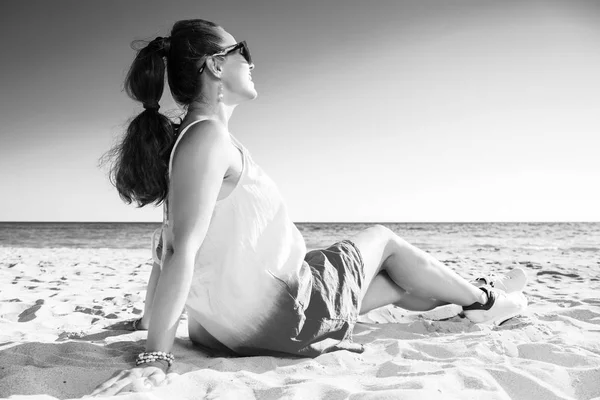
(62, 314)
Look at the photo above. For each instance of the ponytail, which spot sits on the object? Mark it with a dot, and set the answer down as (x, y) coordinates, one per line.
(140, 162)
(140, 169)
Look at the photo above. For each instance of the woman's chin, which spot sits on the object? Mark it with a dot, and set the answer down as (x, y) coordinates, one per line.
(241, 96)
(251, 93)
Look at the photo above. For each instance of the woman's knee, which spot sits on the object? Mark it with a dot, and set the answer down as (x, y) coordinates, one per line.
(381, 232)
(388, 238)
(389, 245)
(373, 238)
(382, 229)
(380, 236)
(375, 243)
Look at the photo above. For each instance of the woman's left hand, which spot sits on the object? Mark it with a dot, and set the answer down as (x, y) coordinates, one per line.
(138, 379)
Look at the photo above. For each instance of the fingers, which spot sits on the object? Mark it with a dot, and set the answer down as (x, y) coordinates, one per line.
(126, 385)
(115, 384)
(170, 378)
(113, 389)
(137, 380)
(138, 385)
(156, 378)
(108, 383)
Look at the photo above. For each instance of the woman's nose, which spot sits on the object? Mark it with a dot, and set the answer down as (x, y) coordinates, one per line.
(251, 66)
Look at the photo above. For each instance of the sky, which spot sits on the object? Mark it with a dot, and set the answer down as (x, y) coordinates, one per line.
(380, 111)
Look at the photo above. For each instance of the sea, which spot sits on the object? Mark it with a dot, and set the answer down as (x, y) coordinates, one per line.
(582, 238)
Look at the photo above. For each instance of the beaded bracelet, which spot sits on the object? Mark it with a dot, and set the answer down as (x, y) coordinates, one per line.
(147, 357)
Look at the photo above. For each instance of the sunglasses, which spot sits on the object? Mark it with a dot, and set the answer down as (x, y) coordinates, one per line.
(244, 51)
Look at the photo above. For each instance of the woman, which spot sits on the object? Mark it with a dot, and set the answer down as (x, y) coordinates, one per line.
(232, 257)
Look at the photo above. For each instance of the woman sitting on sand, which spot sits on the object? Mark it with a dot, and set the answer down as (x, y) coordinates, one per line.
(232, 257)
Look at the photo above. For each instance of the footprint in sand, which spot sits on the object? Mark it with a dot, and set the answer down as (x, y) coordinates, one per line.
(15, 300)
(530, 264)
(584, 315)
(29, 313)
(593, 301)
(555, 273)
(97, 310)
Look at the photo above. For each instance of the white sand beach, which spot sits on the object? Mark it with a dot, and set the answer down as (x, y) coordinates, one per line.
(61, 334)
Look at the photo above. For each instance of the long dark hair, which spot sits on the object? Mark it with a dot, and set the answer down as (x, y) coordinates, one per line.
(140, 161)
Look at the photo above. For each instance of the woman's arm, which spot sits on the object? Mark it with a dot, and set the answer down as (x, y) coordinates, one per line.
(144, 322)
(200, 163)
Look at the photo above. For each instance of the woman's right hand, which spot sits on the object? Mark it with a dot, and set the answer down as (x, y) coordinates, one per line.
(138, 379)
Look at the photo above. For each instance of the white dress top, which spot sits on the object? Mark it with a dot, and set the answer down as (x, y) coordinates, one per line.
(251, 247)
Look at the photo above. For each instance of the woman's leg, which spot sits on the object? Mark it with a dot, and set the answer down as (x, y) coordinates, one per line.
(419, 280)
(383, 291)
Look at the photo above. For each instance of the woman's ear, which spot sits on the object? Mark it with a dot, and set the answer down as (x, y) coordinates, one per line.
(215, 66)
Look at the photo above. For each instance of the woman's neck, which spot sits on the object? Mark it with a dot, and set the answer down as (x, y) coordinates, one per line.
(220, 112)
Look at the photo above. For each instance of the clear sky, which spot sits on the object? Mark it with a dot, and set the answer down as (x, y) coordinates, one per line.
(367, 110)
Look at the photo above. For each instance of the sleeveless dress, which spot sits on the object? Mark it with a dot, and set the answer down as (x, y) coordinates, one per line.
(254, 287)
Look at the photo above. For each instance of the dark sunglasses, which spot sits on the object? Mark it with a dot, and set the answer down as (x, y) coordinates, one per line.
(244, 51)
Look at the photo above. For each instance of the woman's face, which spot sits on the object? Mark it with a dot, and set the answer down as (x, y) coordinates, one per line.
(236, 78)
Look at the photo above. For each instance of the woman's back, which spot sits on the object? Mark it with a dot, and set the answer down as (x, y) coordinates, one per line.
(252, 254)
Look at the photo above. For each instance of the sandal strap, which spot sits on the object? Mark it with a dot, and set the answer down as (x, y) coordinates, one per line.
(135, 324)
(487, 280)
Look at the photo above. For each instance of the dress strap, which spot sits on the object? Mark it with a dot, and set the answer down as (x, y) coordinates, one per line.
(177, 142)
(165, 204)
(237, 143)
(165, 223)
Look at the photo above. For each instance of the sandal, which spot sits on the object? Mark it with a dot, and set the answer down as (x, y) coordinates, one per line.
(134, 325)
(513, 281)
(500, 307)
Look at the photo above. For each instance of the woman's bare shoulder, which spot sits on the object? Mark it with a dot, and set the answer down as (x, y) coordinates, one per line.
(205, 135)
(204, 142)
(199, 167)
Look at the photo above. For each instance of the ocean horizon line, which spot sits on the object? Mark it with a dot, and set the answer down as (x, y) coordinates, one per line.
(321, 222)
